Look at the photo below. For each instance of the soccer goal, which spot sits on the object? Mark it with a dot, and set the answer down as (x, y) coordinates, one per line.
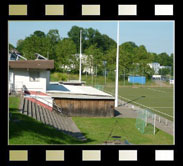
(146, 122)
(99, 87)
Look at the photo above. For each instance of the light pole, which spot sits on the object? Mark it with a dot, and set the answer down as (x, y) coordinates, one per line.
(124, 76)
(117, 67)
(104, 62)
(80, 56)
(96, 76)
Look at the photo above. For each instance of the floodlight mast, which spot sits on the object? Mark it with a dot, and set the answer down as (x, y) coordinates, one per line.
(80, 56)
(117, 66)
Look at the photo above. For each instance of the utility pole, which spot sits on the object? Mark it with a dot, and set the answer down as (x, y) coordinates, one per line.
(48, 54)
(117, 67)
(124, 77)
(80, 56)
(105, 75)
(104, 63)
(96, 76)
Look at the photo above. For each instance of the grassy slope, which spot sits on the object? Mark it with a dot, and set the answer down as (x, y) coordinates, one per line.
(98, 130)
(26, 130)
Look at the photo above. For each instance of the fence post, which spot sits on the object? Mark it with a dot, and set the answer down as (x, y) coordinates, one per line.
(154, 124)
(159, 119)
(146, 118)
(166, 122)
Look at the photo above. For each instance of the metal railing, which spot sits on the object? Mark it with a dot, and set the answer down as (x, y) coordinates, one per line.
(55, 107)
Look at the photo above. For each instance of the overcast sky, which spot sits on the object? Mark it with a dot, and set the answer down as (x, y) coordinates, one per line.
(156, 36)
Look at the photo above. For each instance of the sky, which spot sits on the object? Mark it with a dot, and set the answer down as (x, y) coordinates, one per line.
(156, 36)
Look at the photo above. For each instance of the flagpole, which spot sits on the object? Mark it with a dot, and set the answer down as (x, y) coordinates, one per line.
(117, 66)
(80, 56)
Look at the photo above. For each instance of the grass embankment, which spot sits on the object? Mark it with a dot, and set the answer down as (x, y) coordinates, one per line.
(24, 130)
(99, 129)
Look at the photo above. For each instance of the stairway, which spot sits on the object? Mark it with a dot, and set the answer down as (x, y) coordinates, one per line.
(52, 118)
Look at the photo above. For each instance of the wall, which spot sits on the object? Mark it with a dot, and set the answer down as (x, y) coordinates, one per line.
(137, 79)
(86, 108)
(21, 77)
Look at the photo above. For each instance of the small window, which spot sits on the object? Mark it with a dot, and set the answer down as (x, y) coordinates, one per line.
(34, 76)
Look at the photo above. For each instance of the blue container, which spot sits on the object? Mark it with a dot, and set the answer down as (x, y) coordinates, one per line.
(137, 79)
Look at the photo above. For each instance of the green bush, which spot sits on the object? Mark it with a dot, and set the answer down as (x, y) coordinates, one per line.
(59, 76)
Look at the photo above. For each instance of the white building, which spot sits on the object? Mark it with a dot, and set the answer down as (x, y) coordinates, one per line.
(165, 67)
(86, 62)
(156, 77)
(155, 66)
(171, 82)
(31, 75)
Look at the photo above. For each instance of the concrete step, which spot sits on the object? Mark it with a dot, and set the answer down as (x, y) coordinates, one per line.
(29, 112)
(63, 125)
(45, 115)
(38, 117)
(33, 110)
(52, 118)
(25, 107)
(58, 122)
(21, 106)
(41, 113)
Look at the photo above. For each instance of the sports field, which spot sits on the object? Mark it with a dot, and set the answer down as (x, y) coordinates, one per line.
(157, 96)
(157, 99)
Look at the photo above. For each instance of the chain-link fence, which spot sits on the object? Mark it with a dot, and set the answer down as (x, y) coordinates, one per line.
(145, 122)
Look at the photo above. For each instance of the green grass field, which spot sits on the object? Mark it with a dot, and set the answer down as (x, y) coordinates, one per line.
(157, 98)
(97, 130)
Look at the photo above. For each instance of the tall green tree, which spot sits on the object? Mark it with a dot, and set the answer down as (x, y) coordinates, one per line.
(39, 34)
(96, 56)
(90, 37)
(65, 55)
(11, 47)
(74, 34)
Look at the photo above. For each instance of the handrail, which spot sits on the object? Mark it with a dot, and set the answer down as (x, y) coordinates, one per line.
(58, 109)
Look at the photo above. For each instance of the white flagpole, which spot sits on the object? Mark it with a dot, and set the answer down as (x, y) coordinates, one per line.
(80, 56)
(117, 66)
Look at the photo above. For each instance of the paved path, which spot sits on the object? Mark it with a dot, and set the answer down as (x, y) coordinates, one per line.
(127, 110)
(52, 118)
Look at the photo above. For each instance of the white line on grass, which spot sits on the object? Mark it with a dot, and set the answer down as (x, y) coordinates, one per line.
(161, 107)
(158, 90)
(142, 105)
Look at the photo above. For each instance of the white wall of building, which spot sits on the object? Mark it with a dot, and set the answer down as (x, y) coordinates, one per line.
(171, 82)
(155, 66)
(86, 64)
(20, 78)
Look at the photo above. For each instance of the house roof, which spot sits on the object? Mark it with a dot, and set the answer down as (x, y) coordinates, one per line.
(32, 64)
(79, 96)
(58, 90)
